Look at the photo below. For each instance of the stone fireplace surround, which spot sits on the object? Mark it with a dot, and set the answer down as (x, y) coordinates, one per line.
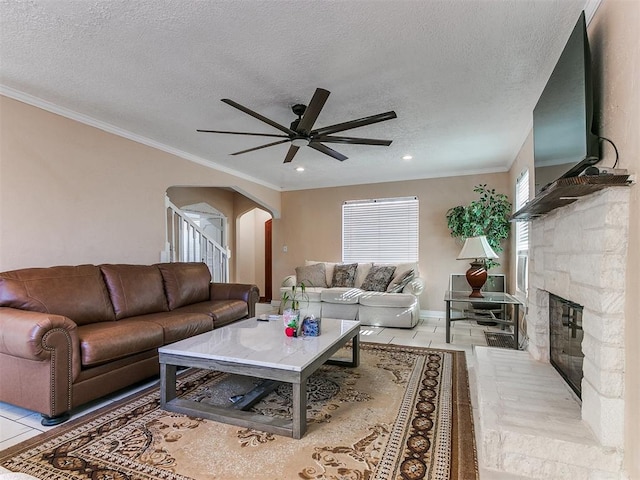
(579, 252)
(530, 422)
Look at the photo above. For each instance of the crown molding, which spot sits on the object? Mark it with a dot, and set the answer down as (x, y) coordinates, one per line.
(109, 128)
(590, 9)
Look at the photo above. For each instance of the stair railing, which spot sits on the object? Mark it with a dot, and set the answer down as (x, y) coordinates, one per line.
(187, 242)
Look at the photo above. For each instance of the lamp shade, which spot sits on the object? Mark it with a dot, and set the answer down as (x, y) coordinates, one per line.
(476, 247)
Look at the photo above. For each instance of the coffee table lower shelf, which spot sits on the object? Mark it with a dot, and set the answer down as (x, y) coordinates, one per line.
(294, 427)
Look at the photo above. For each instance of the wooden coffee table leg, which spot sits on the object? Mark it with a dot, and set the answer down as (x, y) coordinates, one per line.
(299, 409)
(355, 351)
(167, 383)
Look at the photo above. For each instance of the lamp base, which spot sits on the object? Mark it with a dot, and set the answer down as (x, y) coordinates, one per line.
(476, 277)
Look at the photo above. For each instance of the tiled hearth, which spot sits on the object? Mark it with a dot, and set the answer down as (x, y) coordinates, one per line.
(531, 422)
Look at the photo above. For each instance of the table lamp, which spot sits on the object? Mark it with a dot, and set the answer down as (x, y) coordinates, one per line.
(478, 250)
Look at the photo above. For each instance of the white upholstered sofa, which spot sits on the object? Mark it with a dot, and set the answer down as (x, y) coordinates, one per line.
(364, 291)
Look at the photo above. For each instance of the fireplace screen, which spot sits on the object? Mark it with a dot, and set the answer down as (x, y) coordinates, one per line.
(565, 330)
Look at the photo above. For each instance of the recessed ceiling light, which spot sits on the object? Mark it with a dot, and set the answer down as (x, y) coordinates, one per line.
(407, 157)
(299, 169)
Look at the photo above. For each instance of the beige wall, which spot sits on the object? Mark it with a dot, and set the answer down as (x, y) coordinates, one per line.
(71, 193)
(311, 227)
(615, 48)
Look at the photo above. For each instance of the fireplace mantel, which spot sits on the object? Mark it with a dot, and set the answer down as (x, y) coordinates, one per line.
(565, 191)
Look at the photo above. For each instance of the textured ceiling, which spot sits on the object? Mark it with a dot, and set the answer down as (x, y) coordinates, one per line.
(462, 76)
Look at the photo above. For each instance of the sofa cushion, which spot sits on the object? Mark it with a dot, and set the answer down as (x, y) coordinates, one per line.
(221, 312)
(185, 283)
(400, 281)
(77, 292)
(311, 294)
(344, 275)
(312, 275)
(177, 324)
(341, 295)
(106, 341)
(361, 273)
(135, 289)
(403, 267)
(378, 278)
(382, 299)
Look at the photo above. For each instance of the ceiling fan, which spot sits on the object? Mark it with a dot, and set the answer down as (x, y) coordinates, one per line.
(300, 133)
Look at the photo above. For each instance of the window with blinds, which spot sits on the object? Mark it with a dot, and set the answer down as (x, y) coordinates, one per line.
(383, 230)
(522, 234)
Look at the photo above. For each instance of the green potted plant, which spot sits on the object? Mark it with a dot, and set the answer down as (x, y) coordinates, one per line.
(488, 216)
(293, 299)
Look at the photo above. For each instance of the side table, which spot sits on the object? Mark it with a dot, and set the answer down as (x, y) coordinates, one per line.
(489, 297)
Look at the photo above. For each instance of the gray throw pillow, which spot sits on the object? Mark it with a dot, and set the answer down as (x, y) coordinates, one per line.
(401, 281)
(312, 275)
(378, 278)
(344, 275)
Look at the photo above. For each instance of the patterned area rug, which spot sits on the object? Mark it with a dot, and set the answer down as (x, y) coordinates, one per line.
(404, 413)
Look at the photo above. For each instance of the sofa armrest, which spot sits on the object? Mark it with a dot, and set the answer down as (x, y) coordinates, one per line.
(236, 291)
(40, 356)
(415, 286)
(35, 335)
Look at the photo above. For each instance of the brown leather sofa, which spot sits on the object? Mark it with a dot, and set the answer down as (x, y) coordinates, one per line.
(72, 334)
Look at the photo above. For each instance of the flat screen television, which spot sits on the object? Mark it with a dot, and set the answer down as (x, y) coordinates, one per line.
(563, 142)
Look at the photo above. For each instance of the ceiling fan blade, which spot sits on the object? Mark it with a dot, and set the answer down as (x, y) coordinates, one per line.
(361, 122)
(327, 151)
(261, 146)
(313, 110)
(259, 117)
(352, 140)
(244, 133)
(291, 153)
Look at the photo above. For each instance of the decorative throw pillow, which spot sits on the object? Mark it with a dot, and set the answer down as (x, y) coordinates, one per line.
(312, 275)
(400, 281)
(378, 278)
(328, 268)
(344, 275)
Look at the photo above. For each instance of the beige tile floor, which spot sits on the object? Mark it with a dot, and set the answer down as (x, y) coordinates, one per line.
(18, 424)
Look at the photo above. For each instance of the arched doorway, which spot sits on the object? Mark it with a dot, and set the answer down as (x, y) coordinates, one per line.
(253, 236)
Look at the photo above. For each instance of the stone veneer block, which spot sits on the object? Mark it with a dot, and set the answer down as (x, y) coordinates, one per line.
(607, 383)
(609, 358)
(540, 469)
(611, 240)
(604, 415)
(606, 328)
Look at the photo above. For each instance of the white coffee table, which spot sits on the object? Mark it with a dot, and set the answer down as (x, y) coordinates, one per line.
(257, 349)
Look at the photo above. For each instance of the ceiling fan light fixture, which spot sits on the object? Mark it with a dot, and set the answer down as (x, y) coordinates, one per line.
(299, 169)
(301, 132)
(300, 142)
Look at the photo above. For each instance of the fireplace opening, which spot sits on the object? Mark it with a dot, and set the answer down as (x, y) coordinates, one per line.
(565, 331)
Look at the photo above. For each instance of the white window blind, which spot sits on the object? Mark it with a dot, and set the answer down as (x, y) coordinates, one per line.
(522, 235)
(522, 197)
(382, 230)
